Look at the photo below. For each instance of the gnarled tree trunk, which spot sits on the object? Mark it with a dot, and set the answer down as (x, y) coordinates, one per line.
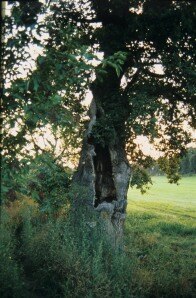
(105, 171)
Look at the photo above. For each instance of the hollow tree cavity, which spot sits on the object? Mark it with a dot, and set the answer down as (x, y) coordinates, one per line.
(104, 170)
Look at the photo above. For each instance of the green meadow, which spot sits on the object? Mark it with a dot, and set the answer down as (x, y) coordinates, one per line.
(160, 237)
(45, 255)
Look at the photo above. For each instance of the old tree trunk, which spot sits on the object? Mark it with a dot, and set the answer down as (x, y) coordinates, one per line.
(103, 167)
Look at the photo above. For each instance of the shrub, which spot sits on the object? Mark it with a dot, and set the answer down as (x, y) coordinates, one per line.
(11, 273)
(44, 180)
(53, 257)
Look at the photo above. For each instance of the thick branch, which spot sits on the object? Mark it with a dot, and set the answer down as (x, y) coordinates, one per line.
(153, 74)
(133, 81)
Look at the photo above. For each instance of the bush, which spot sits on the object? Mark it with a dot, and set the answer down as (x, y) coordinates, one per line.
(43, 179)
(11, 273)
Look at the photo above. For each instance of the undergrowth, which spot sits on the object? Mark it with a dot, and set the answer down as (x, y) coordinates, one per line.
(49, 256)
(65, 255)
(62, 252)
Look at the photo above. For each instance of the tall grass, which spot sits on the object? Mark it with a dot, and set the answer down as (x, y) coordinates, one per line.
(51, 257)
(62, 255)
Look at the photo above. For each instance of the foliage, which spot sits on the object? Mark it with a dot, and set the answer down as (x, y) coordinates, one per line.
(11, 273)
(47, 183)
(157, 261)
(135, 99)
(188, 162)
(74, 266)
(48, 92)
(116, 61)
(43, 179)
(140, 179)
(45, 91)
(103, 132)
(171, 167)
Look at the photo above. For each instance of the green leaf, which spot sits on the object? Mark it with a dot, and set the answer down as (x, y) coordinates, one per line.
(36, 84)
(27, 85)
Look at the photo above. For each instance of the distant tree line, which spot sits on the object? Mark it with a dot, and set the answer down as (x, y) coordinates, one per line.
(187, 164)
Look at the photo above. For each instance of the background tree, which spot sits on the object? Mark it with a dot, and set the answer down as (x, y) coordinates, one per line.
(188, 162)
(131, 96)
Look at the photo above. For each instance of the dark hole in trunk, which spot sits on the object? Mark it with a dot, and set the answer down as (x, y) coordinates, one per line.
(104, 183)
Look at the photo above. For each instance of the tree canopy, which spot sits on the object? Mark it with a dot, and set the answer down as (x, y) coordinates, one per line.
(137, 56)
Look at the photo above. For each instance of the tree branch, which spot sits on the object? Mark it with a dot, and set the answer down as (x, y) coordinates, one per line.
(153, 74)
(133, 81)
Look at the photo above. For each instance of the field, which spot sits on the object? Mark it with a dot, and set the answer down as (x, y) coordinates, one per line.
(160, 237)
(45, 255)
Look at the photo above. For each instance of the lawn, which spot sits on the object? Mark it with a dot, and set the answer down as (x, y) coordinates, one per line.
(160, 237)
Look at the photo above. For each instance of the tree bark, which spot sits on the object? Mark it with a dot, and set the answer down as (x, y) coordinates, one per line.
(104, 170)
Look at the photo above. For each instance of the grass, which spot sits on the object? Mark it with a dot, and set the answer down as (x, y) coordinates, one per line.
(160, 236)
(60, 255)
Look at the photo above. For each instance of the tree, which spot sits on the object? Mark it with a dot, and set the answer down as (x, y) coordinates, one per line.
(143, 85)
(188, 162)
